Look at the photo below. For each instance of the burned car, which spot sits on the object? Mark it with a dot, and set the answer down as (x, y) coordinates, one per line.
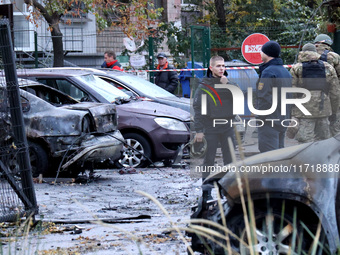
(152, 131)
(65, 133)
(290, 198)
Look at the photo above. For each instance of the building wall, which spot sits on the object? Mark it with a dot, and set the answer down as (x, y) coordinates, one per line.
(173, 10)
(84, 45)
(110, 39)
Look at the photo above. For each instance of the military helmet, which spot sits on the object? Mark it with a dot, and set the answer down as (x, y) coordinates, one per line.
(198, 149)
(323, 38)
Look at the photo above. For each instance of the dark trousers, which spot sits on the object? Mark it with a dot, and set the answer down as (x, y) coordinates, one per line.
(213, 139)
(270, 138)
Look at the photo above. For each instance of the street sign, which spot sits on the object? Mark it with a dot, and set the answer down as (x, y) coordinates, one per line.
(251, 47)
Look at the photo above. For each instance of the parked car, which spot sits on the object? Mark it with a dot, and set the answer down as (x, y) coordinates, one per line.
(152, 131)
(137, 87)
(291, 197)
(61, 131)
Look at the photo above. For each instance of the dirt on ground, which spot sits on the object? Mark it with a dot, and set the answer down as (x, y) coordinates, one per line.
(110, 216)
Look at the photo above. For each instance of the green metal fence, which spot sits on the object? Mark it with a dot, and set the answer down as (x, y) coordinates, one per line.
(226, 42)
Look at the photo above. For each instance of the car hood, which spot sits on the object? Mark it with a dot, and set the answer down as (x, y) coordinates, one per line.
(104, 114)
(155, 109)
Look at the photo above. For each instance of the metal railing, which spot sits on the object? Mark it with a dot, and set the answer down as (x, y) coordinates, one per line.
(17, 195)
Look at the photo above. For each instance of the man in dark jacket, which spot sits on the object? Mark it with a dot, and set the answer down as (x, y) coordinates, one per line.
(219, 105)
(111, 62)
(272, 75)
(167, 80)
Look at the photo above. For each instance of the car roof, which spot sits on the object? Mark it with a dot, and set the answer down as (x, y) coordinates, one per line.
(53, 72)
(21, 82)
(93, 70)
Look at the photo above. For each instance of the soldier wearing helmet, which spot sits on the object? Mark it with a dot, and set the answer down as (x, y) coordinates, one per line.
(323, 46)
(320, 79)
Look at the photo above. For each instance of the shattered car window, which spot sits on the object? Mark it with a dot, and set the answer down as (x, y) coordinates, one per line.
(145, 86)
(50, 95)
(64, 86)
(109, 92)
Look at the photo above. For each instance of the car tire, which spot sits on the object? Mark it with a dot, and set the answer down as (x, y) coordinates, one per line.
(275, 224)
(38, 159)
(131, 157)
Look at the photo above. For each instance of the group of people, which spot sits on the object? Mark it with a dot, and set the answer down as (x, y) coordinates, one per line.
(167, 80)
(317, 70)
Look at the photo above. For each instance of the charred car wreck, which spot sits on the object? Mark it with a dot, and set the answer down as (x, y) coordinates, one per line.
(154, 131)
(288, 212)
(65, 134)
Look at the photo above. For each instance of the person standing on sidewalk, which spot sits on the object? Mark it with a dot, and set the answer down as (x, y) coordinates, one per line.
(321, 80)
(167, 80)
(272, 75)
(204, 122)
(323, 46)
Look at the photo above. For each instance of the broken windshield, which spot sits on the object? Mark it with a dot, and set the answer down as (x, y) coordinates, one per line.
(104, 88)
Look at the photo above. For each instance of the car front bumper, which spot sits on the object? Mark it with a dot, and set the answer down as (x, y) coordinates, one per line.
(98, 148)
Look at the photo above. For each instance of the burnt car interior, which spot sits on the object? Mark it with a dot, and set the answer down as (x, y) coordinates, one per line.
(49, 95)
(66, 87)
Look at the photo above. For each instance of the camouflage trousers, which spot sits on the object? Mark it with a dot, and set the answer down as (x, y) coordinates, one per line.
(335, 125)
(311, 130)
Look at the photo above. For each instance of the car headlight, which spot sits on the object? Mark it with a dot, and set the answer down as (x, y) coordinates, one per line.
(171, 124)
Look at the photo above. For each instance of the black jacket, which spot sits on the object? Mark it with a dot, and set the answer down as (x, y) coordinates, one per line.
(219, 106)
(167, 80)
(272, 74)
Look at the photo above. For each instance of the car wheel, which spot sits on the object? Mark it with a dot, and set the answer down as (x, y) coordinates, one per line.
(276, 231)
(38, 158)
(136, 152)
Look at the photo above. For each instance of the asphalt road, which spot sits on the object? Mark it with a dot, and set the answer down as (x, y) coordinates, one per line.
(128, 222)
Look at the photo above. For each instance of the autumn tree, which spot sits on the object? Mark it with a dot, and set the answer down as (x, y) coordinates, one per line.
(288, 22)
(136, 16)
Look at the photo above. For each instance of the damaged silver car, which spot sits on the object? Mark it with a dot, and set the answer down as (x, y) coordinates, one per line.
(280, 202)
(65, 134)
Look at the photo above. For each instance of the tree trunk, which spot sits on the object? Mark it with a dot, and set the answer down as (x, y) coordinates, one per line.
(58, 51)
(219, 5)
(57, 37)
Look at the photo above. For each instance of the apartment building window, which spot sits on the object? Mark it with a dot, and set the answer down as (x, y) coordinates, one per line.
(158, 4)
(189, 5)
(23, 32)
(189, 2)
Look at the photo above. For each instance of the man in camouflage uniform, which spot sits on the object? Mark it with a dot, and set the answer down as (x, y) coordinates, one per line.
(323, 46)
(321, 80)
